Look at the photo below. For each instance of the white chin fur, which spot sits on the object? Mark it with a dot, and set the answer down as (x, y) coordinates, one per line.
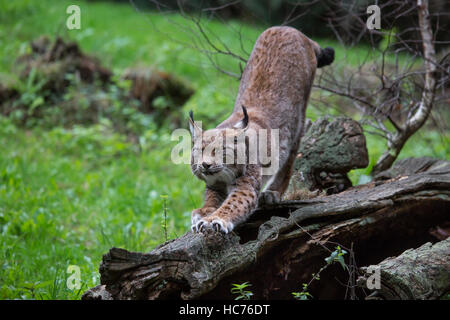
(225, 176)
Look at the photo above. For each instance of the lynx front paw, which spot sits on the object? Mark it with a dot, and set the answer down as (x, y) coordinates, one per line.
(200, 213)
(212, 223)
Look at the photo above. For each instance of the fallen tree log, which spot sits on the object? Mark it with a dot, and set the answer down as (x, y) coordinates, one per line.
(282, 245)
(419, 274)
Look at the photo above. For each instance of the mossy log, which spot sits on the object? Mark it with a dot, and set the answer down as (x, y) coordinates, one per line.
(282, 245)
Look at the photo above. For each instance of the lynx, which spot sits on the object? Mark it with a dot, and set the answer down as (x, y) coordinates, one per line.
(272, 96)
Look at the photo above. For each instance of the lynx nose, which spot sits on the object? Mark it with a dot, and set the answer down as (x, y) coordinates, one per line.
(206, 165)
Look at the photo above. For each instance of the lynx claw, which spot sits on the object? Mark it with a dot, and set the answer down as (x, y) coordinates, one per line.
(197, 227)
(200, 214)
(216, 225)
(220, 225)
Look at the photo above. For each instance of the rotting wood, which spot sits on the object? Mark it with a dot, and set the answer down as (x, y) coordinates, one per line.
(282, 245)
(419, 274)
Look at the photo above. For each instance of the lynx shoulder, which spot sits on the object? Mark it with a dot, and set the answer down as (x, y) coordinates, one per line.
(248, 158)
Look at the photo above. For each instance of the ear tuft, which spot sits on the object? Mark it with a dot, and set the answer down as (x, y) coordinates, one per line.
(191, 123)
(195, 129)
(244, 122)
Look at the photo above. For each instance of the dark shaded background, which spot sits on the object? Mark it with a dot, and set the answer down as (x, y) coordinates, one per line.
(343, 19)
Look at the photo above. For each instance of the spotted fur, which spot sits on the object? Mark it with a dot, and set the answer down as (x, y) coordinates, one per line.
(273, 94)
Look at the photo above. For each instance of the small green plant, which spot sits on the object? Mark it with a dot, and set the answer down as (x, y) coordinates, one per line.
(239, 289)
(31, 93)
(335, 256)
(302, 295)
(164, 224)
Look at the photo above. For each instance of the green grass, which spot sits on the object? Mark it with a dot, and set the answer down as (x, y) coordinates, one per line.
(68, 195)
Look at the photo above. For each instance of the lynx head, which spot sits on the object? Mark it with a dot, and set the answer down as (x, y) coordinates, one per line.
(219, 156)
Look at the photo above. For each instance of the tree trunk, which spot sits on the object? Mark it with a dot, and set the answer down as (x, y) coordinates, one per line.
(282, 245)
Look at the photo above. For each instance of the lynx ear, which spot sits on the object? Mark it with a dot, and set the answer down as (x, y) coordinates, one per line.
(243, 124)
(193, 127)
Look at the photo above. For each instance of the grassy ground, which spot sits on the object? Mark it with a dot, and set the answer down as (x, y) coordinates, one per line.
(68, 195)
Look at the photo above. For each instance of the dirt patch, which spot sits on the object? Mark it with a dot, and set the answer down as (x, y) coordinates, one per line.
(159, 93)
(58, 84)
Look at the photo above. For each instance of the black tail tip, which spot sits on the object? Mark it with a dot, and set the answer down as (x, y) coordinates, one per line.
(325, 57)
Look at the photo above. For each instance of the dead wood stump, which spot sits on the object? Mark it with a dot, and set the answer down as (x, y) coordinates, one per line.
(329, 149)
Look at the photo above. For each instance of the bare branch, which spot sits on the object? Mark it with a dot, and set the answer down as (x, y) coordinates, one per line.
(416, 120)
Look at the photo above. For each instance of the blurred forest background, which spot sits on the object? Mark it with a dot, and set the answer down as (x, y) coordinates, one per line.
(86, 118)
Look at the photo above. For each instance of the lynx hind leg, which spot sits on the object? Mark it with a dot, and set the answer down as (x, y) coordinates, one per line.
(268, 197)
(275, 190)
(277, 185)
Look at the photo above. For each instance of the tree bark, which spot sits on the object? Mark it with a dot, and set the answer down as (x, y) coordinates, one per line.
(329, 149)
(423, 273)
(282, 245)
